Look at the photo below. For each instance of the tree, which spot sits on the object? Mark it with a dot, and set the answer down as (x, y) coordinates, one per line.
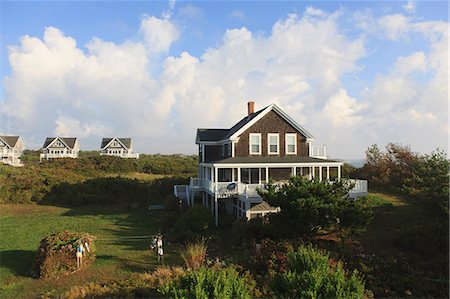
(430, 179)
(308, 206)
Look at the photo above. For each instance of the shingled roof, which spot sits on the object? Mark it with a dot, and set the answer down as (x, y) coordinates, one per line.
(216, 135)
(222, 134)
(10, 140)
(262, 207)
(69, 141)
(273, 159)
(125, 141)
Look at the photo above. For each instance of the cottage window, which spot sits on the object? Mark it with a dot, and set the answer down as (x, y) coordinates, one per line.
(255, 143)
(291, 143)
(273, 140)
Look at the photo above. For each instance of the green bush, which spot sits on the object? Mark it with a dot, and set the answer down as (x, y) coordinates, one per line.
(210, 283)
(192, 223)
(56, 255)
(311, 274)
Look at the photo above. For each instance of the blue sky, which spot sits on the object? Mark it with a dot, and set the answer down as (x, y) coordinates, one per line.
(391, 46)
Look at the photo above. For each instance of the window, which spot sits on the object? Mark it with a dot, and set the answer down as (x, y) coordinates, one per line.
(229, 150)
(255, 143)
(273, 143)
(291, 144)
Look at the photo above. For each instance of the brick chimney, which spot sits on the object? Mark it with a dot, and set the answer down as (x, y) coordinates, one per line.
(251, 107)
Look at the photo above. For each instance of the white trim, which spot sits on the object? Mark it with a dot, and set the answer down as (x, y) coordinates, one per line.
(286, 143)
(250, 151)
(281, 113)
(232, 149)
(268, 143)
(118, 140)
(60, 140)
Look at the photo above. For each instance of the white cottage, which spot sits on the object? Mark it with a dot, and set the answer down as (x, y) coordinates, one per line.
(119, 147)
(60, 147)
(11, 148)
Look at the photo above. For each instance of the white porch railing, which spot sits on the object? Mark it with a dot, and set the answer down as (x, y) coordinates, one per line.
(51, 156)
(360, 188)
(123, 155)
(250, 190)
(318, 152)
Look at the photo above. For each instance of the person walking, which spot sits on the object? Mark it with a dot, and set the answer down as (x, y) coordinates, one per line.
(80, 250)
(159, 246)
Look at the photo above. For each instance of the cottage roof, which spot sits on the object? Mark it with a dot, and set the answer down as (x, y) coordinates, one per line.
(273, 159)
(10, 140)
(217, 135)
(262, 207)
(68, 141)
(126, 142)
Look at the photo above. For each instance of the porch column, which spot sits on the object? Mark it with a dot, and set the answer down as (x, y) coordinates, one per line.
(216, 210)
(232, 174)
(313, 172)
(239, 175)
(339, 172)
(301, 171)
(267, 175)
(259, 175)
(294, 171)
(320, 173)
(212, 174)
(328, 173)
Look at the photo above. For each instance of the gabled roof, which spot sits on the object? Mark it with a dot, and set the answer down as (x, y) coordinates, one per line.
(126, 142)
(217, 135)
(68, 141)
(10, 140)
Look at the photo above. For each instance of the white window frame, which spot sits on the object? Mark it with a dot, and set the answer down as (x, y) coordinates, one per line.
(268, 143)
(286, 143)
(250, 143)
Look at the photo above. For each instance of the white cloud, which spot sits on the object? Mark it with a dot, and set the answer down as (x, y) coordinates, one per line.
(410, 7)
(159, 34)
(394, 26)
(238, 14)
(342, 110)
(415, 62)
(66, 127)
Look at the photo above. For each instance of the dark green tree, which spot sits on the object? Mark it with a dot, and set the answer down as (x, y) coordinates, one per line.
(310, 206)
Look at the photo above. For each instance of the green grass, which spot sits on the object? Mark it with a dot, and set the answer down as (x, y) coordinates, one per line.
(379, 200)
(23, 226)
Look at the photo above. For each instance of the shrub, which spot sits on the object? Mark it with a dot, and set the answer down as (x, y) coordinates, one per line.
(57, 254)
(139, 285)
(210, 283)
(194, 254)
(311, 274)
(269, 257)
(191, 223)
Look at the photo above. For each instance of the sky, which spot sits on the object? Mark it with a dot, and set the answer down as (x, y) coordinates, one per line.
(352, 73)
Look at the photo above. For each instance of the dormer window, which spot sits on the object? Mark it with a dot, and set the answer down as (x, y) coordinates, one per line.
(273, 142)
(291, 144)
(255, 143)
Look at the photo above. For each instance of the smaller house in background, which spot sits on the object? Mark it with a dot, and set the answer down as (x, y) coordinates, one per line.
(59, 147)
(119, 147)
(11, 148)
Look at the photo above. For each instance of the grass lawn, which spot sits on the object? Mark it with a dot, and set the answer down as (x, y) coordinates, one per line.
(23, 226)
(411, 257)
